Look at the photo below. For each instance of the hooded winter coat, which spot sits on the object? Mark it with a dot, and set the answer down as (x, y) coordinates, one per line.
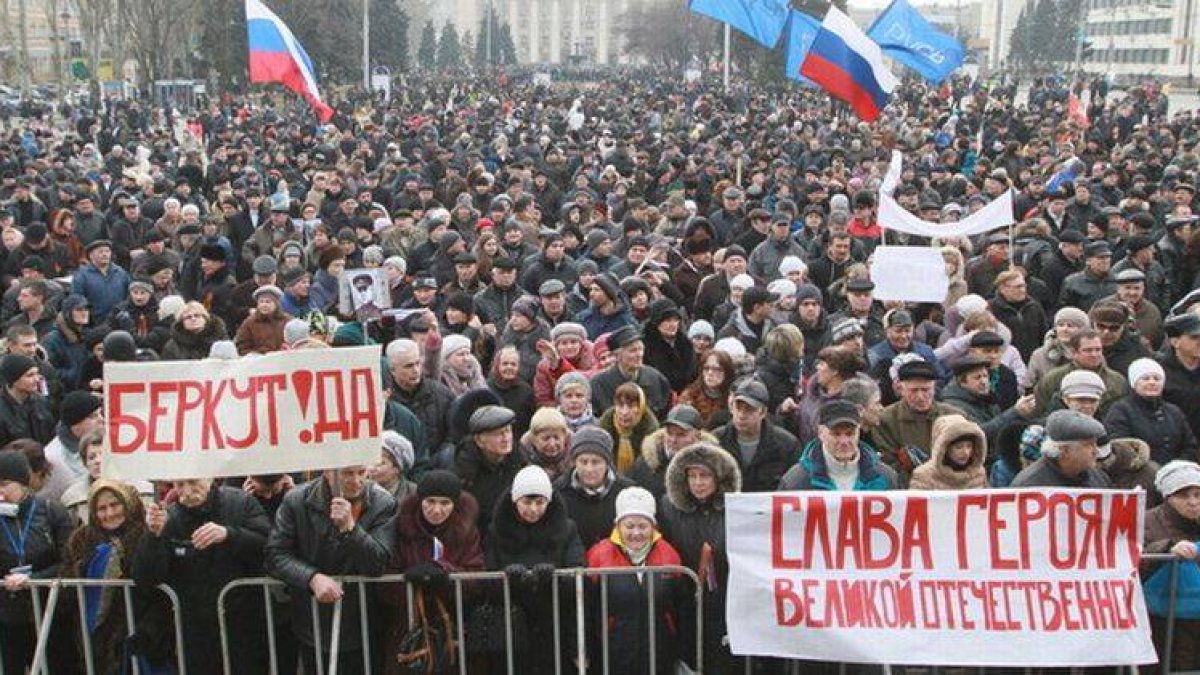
(675, 359)
(937, 474)
(1129, 466)
(697, 531)
(66, 349)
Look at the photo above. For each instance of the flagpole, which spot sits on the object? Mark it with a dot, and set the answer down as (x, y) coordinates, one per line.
(727, 36)
(367, 45)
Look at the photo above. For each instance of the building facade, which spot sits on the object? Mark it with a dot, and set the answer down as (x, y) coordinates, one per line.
(1131, 39)
(552, 31)
(48, 25)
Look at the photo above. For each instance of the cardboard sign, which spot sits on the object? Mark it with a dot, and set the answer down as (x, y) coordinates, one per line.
(283, 412)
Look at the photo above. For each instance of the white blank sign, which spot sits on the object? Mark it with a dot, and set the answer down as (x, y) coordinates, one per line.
(909, 273)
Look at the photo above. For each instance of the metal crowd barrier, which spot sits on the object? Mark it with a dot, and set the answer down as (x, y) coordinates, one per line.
(577, 575)
(43, 618)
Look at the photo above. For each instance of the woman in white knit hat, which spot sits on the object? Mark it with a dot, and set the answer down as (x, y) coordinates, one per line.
(1174, 527)
(635, 542)
(1142, 413)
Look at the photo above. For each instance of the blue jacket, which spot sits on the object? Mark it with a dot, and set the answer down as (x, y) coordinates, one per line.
(812, 473)
(103, 291)
(67, 357)
(884, 352)
(597, 324)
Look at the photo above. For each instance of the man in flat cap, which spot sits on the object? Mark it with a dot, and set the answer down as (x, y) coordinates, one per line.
(1069, 454)
(627, 344)
(904, 436)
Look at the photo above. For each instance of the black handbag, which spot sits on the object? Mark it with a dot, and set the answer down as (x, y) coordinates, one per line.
(428, 648)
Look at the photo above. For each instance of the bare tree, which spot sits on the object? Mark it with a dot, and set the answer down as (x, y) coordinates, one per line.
(157, 31)
(667, 34)
(93, 15)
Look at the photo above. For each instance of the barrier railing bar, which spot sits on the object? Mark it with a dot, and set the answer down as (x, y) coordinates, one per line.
(316, 619)
(1169, 643)
(508, 642)
(460, 628)
(580, 636)
(130, 623)
(653, 623)
(39, 652)
(335, 635)
(84, 634)
(556, 621)
(272, 642)
(604, 620)
(363, 624)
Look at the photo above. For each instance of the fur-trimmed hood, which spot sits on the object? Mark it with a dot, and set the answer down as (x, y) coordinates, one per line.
(935, 474)
(651, 451)
(1130, 455)
(456, 531)
(719, 461)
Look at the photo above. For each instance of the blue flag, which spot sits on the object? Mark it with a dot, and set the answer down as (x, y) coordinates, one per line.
(903, 34)
(762, 20)
(802, 30)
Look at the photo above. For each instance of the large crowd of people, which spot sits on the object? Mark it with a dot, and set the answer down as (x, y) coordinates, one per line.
(609, 306)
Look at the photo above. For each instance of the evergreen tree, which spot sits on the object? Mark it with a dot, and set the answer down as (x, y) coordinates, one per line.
(489, 22)
(449, 52)
(507, 50)
(468, 47)
(389, 35)
(427, 52)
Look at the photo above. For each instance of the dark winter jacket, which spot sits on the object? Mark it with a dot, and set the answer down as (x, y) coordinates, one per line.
(777, 450)
(676, 359)
(31, 419)
(185, 345)
(49, 527)
(553, 540)
(198, 576)
(593, 513)
(1182, 387)
(66, 349)
(697, 531)
(485, 480)
(143, 324)
(430, 402)
(654, 385)
(1027, 322)
(304, 542)
(1157, 422)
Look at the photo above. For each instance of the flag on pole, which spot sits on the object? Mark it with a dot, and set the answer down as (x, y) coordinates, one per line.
(843, 61)
(903, 34)
(801, 31)
(762, 20)
(276, 56)
(1076, 112)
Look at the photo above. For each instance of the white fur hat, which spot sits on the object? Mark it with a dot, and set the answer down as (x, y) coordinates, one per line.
(635, 501)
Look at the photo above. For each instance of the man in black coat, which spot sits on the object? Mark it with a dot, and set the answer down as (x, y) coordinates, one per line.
(763, 451)
(427, 398)
(337, 524)
(208, 538)
(24, 412)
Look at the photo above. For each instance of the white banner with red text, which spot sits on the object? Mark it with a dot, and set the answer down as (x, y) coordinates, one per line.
(1020, 578)
(283, 412)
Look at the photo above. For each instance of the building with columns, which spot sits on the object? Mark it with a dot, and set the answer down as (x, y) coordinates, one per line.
(553, 31)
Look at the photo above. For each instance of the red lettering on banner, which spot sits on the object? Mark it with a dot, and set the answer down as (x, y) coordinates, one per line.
(363, 411)
(1031, 507)
(996, 525)
(118, 420)
(271, 386)
(966, 502)
(779, 504)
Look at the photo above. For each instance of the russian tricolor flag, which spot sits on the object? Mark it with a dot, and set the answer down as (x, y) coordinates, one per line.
(276, 56)
(843, 61)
